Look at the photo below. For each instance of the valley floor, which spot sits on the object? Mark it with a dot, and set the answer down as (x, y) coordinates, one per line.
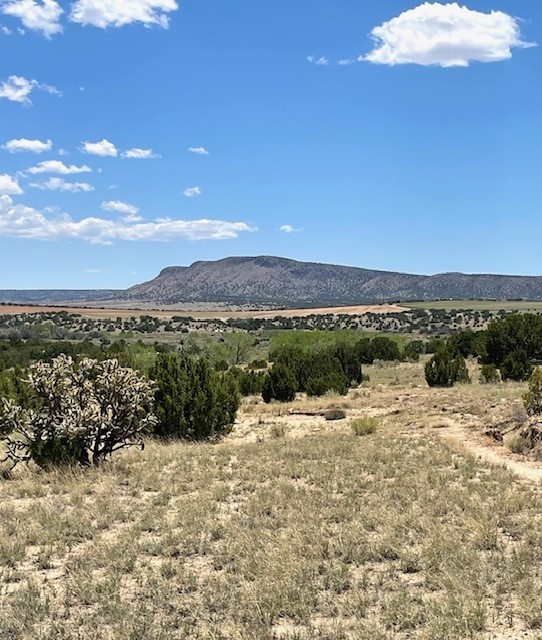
(292, 528)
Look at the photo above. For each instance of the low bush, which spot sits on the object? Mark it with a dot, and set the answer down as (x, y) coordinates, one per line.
(489, 374)
(323, 384)
(363, 426)
(516, 366)
(443, 370)
(279, 384)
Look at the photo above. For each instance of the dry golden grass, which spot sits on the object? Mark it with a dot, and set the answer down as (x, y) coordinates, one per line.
(292, 529)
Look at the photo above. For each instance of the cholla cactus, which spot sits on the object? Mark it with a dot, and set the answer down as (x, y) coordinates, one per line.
(86, 412)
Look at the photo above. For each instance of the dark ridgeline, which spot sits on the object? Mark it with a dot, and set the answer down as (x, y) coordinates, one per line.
(280, 281)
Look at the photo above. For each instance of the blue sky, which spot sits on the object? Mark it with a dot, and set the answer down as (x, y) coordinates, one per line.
(415, 149)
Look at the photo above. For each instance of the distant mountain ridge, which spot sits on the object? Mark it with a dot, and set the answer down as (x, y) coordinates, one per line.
(56, 296)
(280, 281)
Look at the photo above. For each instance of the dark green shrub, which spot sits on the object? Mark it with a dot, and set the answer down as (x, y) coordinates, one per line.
(331, 382)
(192, 400)
(489, 374)
(258, 364)
(461, 373)
(413, 350)
(516, 366)
(222, 365)
(250, 383)
(279, 384)
(435, 344)
(385, 349)
(442, 370)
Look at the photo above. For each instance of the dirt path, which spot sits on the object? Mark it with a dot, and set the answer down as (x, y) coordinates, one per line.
(458, 436)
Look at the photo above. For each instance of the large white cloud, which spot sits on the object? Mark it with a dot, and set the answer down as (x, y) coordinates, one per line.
(119, 207)
(57, 166)
(447, 35)
(20, 221)
(59, 184)
(9, 185)
(117, 13)
(36, 15)
(103, 148)
(18, 89)
(140, 154)
(23, 144)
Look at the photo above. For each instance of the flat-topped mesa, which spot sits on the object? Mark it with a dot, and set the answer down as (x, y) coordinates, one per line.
(286, 282)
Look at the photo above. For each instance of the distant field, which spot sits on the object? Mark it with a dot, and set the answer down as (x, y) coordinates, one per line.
(203, 315)
(524, 306)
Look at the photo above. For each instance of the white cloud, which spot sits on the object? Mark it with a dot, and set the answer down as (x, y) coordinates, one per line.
(23, 144)
(59, 184)
(5, 30)
(192, 191)
(447, 35)
(103, 148)
(119, 207)
(200, 151)
(17, 89)
(9, 185)
(56, 166)
(140, 154)
(93, 271)
(288, 228)
(20, 221)
(117, 13)
(345, 62)
(322, 61)
(36, 15)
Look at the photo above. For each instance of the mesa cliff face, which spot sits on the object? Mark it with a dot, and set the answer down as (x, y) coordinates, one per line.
(280, 281)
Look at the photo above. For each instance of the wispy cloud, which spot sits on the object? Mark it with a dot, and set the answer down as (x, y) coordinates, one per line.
(118, 13)
(59, 184)
(200, 151)
(446, 35)
(18, 89)
(19, 221)
(321, 61)
(140, 154)
(9, 185)
(103, 148)
(35, 15)
(23, 144)
(192, 191)
(119, 207)
(288, 228)
(57, 166)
